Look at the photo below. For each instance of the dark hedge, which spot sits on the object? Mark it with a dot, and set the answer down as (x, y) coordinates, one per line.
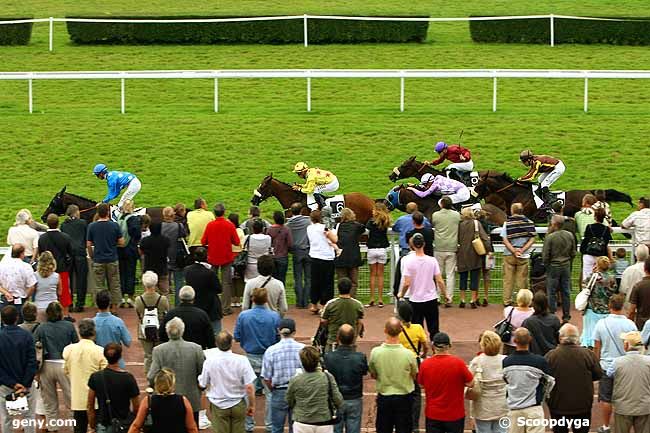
(251, 32)
(567, 31)
(15, 34)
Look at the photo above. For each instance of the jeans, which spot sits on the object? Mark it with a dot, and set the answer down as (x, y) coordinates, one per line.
(281, 266)
(7, 425)
(302, 277)
(256, 364)
(489, 426)
(79, 279)
(426, 311)
(473, 279)
(216, 326)
(179, 282)
(350, 414)
(280, 411)
(322, 281)
(559, 278)
(394, 412)
(127, 264)
(434, 426)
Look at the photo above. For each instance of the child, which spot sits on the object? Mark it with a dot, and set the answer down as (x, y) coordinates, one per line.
(620, 265)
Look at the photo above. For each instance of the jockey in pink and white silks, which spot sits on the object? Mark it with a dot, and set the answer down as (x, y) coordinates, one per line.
(430, 184)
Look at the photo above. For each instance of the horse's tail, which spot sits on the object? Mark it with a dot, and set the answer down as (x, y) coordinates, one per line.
(618, 196)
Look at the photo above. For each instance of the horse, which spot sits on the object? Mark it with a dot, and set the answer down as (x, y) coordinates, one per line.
(501, 190)
(360, 204)
(87, 208)
(412, 168)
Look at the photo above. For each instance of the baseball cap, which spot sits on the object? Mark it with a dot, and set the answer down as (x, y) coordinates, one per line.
(418, 240)
(632, 337)
(287, 326)
(441, 340)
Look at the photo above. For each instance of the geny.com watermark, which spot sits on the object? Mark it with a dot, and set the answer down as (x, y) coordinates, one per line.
(42, 424)
(522, 421)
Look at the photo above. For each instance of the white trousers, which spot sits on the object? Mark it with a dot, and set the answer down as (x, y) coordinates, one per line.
(320, 189)
(299, 427)
(548, 179)
(462, 195)
(588, 263)
(131, 191)
(447, 262)
(461, 166)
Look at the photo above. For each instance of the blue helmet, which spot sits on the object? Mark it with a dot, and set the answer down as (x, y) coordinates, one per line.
(99, 169)
(440, 146)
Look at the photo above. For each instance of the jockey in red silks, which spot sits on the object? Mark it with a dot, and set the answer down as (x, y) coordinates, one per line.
(460, 157)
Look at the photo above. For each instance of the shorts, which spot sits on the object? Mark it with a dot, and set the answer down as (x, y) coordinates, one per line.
(605, 389)
(377, 256)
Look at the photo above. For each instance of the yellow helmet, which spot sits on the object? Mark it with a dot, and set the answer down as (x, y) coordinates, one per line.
(300, 167)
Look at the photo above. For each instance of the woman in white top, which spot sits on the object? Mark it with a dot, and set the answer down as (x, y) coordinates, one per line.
(490, 405)
(257, 245)
(22, 233)
(48, 283)
(321, 254)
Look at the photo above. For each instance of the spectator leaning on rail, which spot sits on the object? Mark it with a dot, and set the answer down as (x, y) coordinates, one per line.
(585, 215)
(640, 299)
(197, 325)
(445, 222)
(281, 362)
(182, 357)
(80, 360)
(543, 326)
(469, 263)
(640, 222)
(281, 244)
(631, 375)
(204, 280)
(607, 347)
(575, 369)
(300, 251)
(17, 365)
(558, 253)
(277, 298)
(404, 224)
(518, 234)
(17, 279)
(321, 254)
(349, 232)
(426, 232)
(149, 300)
(377, 255)
(104, 236)
(342, 310)
(348, 368)
(76, 228)
(22, 234)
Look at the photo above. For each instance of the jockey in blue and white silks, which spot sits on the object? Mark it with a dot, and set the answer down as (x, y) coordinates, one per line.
(116, 182)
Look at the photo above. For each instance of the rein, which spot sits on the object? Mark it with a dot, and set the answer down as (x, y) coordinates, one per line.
(505, 188)
(86, 210)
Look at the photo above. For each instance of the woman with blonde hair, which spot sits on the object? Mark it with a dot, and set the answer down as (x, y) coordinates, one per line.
(170, 412)
(48, 284)
(468, 262)
(598, 306)
(517, 315)
(377, 244)
(490, 404)
(347, 263)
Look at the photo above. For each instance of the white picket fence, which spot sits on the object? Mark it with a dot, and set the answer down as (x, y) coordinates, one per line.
(305, 18)
(309, 74)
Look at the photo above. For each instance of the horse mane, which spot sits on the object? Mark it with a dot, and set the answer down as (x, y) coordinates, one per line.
(283, 183)
(80, 197)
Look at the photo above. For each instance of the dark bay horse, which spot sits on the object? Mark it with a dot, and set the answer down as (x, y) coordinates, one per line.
(87, 208)
(360, 204)
(501, 190)
(412, 168)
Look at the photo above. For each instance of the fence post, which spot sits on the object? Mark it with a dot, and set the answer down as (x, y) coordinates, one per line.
(401, 93)
(305, 34)
(494, 93)
(29, 87)
(308, 94)
(552, 30)
(216, 95)
(51, 33)
(586, 103)
(122, 96)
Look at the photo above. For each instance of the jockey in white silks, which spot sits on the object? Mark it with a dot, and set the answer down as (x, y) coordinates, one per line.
(430, 184)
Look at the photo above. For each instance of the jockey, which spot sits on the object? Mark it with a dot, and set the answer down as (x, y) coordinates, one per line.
(430, 184)
(317, 182)
(550, 168)
(460, 158)
(117, 181)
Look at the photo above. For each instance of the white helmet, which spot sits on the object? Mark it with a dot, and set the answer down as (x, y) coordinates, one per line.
(426, 178)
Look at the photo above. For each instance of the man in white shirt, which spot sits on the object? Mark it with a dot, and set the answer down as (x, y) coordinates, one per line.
(229, 379)
(274, 287)
(640, 222)
(22, 233)
(17, 279)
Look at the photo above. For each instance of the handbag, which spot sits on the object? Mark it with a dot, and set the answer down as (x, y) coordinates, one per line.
(330, 403)
(582, 298)
(117, 425)
(474, 393)
(504, 327)
(477, 242)
(182, 251)
(241, 261)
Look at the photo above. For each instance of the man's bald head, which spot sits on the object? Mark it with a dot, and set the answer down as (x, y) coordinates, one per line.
(569, 334)
(521, 338)
(345, 335)
(393, 327)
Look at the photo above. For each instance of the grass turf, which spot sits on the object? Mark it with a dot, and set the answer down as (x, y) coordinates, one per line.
(180, 149)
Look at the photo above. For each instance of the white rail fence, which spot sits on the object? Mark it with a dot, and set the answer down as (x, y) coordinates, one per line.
(305, 18)
(308, 74)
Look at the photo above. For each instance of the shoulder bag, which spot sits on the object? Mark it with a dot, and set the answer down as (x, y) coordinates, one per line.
(416, 350)
(474, 393)
(582, 298)
(182, 251)
(504, 327)
(477, 242)
(330, 402)
(117, 425)
(241, 261)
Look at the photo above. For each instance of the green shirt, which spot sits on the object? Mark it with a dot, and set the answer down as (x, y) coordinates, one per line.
(445, 223)
(308, 396)
(583, 219)
(394, 367)
(340, 311)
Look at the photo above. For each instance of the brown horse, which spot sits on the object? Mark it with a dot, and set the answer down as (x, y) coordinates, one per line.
(501, 190)
(87, 208)
(412, 168)
(360, 204)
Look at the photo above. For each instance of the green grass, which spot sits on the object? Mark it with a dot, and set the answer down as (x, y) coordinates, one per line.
(180, 149)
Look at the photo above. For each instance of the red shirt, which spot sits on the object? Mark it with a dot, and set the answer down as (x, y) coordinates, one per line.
(453, 154)
(219, 236)
(443, 378)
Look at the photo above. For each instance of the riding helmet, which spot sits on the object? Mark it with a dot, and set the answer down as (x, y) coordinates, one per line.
(300, 167)
(99, 169)
(526, 155)
(440, 146)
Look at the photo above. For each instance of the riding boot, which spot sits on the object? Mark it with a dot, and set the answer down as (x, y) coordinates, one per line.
(545, 195)
(320, 200)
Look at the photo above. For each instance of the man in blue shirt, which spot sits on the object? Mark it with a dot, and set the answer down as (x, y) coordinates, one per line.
(256, 330)
(17, 366)
(404, 224)
(109, 328)
(280, 364)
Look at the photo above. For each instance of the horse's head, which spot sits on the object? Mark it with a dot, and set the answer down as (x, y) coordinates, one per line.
(56, 205)
(409, 168)
(263, 191)
(392, 198)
